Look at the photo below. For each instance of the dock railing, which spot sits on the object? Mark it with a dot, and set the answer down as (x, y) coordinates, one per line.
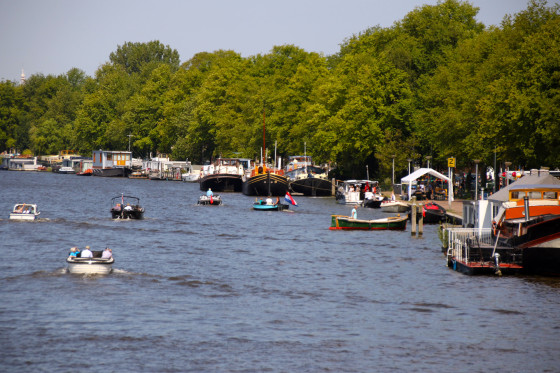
(457, 241)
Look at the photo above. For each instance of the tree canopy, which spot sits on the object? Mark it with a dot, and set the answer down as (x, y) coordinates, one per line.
(435, 83)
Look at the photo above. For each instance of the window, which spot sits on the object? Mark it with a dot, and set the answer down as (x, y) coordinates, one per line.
(535, 195)
(550, 195)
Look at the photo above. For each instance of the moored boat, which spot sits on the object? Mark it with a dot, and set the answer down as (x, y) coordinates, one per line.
(66, 170)
(347, 223)
(264, 181)
(306, 178)
(126, 207)
(24, 211)
(224, 175)
(433, 213)
(394, 206)
(353, 191)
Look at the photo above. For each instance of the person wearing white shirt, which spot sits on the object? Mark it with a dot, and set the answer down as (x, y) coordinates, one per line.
(86, 253)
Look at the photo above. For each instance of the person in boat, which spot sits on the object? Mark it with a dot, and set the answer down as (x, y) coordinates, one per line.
(269, 201)
(107, 253)
(354, 214)
(19, 209)
(74, 251)
(128, 207)
(86, 253)
(209, 193)
(393, 198)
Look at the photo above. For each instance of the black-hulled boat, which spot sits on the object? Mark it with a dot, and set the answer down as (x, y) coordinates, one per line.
(306, 178)
(126, 207)
(265, 181)
(433, 213)
(224, 175)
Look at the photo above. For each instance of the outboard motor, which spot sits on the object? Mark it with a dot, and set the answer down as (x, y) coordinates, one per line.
(497, 262)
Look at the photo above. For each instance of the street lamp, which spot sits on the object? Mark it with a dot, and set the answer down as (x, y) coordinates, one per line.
(428, 157)
(393, 180)
(409, 160)
(507, 172)
(476, 162)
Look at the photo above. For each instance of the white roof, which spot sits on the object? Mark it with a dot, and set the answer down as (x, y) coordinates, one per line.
(421, 172)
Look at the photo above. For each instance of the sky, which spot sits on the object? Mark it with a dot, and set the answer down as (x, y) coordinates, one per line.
(52, 36)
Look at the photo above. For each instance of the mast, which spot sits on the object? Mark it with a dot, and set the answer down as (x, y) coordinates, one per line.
(264, 144)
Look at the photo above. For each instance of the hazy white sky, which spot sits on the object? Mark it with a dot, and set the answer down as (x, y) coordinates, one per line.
(53, 36)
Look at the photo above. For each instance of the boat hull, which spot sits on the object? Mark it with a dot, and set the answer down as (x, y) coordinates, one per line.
(312, 186)
(260, 185)
(394, 207)
(89, 266)
(347, 223)
(275, 207)
(222, 183)
(207, 201)
(26, 217)
(134, 214)
(112, 172)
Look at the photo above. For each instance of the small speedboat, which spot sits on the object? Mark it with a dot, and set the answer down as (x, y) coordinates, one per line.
(210, 200)
(348, 223)
(433, 213)
(268, 205)
(66, 170)
(90, 266)
(24, 211)
(126, 207)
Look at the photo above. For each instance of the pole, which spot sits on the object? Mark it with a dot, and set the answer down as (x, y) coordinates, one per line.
(367, 172)
(264, 145)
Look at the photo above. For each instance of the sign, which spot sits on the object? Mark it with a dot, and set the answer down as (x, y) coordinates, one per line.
(450, 162)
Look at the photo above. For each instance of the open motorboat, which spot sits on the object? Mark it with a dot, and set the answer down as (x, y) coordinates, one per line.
(269, 205)
(348, 223)
(210, 200)
(90, 266)
(126, 207)
(353, 191)
(433, 213)
(394, 206)
(24, 211)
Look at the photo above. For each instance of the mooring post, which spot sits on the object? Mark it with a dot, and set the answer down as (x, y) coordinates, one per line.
(421, 221)
(413, 217)
(333, 186)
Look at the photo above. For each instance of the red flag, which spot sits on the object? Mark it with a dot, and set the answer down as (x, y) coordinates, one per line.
(211, 200)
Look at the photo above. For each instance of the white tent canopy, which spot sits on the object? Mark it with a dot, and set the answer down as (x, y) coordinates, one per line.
(409, 179)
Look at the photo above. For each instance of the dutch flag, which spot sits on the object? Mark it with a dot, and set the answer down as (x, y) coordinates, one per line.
(288, 198)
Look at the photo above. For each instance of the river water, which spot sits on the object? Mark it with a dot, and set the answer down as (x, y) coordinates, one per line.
(229, 289)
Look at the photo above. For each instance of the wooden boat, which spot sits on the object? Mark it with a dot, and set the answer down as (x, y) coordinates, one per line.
(126, 207)
(394, 206)
(210, 200)
(90, 266)
(24, 211)
(389, 223)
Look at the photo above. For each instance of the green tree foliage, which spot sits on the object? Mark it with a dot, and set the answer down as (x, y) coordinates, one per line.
(434, 83)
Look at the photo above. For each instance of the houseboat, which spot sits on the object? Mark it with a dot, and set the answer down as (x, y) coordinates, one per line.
(110, 163)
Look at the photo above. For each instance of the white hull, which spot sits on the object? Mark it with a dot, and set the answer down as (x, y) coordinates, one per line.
(16, 216)
(394, 207)
(191, 178)
(90, 266)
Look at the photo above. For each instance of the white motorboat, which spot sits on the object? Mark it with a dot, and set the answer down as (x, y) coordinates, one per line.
(66, 170)
(352, 191)
(90, 266)
(394, 206)
(24, 211)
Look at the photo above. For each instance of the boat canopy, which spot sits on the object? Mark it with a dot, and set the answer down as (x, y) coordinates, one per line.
(409, 179)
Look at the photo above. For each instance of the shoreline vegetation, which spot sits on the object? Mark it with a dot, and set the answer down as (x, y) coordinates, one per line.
(436, 84)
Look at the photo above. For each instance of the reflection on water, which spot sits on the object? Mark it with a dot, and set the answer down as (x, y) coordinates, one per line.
(228, 289)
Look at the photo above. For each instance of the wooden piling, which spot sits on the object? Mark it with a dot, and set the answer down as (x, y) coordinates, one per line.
(413, 217)
(420, 222)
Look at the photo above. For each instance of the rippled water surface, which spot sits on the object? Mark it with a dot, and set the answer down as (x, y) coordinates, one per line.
(229, 289)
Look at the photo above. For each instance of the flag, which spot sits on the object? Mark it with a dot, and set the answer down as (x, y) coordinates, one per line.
(211, 199)
(288, 198)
